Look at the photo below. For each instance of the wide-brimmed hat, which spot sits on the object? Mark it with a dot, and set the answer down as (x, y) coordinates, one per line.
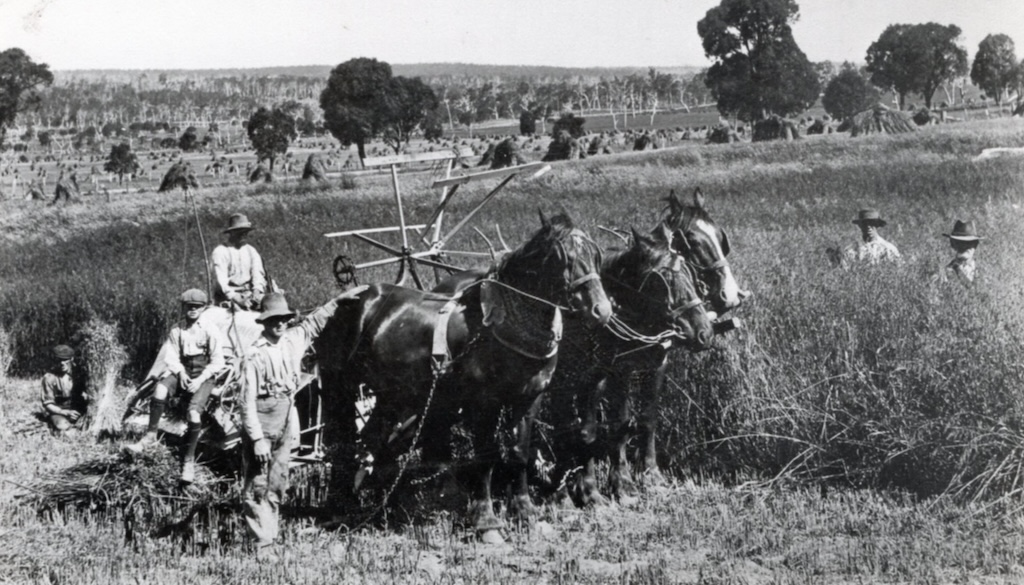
(870, 217)
(63, 352)
(963, 232)
(238, 221)
(274, 305)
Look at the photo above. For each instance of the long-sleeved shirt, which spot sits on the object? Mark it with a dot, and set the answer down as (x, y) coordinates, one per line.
(272, 369)
(57, 390)
(185, 341)
(238, 269)
(874, 251)
(963, 267)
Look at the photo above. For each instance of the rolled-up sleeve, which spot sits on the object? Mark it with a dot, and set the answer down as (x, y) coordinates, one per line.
(48, 396)
(221, 260)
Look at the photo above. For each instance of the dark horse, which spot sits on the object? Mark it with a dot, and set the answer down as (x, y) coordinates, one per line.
(657, 308)
(434, 360)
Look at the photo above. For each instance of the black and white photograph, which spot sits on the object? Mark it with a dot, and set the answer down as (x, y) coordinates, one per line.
(711, 292)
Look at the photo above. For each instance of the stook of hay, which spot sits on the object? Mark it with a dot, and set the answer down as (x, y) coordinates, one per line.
(565, 147)
(722, 134)
(179, 176)
(314, 169)
(775, 128)
(261, 173)
(102, 359)
(599, 145)
(925, 117)
(820, 126)
(881, 119)
(506, 154)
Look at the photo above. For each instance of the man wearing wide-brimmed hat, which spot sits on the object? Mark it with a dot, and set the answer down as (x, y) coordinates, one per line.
(59, 394)
(964, 240)
(873, 248)
(194, 357)
(239, 276)
(270, 379)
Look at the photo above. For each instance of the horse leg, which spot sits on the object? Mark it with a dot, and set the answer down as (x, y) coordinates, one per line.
(619, 473)
(523, 456)
(481, 504)
(585, 491)
(649, 427)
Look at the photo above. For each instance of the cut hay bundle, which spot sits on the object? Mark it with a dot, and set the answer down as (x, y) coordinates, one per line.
(102, 359)
(722, 134)
(820, 126)
(179, 176)
(314, 169)
(487, 157)
(775, 128)
(924, 117)
(881, 119)
(561, 147)
(261, 173)
(599, 145)
(643, 142)
(506, 154)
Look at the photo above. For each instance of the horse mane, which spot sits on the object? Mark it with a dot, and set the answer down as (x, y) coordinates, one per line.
(644, 256)
(539, 263)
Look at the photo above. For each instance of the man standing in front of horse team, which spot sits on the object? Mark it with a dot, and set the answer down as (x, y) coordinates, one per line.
(239, 276)
(270, 379)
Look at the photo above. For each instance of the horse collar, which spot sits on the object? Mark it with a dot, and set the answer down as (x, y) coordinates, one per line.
(530, 332)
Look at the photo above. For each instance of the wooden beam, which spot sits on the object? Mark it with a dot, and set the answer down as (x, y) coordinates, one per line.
(397, 159)
(372, 231)
(534, 166)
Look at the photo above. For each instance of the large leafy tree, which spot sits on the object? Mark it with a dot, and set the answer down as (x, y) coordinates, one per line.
(122, 161)
(916, 58)
(271, 131)
(758, 68)
(352, 100)
(848, 93)
(995, 67)
(20, 78)
(407, 106)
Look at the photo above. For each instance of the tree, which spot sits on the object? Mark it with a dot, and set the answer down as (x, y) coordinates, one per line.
(351, 101)
(758, 68)
(20, 78)
(916, 58)
(122, 161)
(405, 106)
(849, 93)
(995, 66)
(271, 131)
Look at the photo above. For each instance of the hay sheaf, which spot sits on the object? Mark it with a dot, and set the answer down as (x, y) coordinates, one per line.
(179, 176)
(102, 358)
(261, 173)
(722, 134)
(775, 128)
(881, 119)
(314, 169)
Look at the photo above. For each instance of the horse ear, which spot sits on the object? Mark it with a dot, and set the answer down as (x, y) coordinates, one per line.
(543, 219)
(664, 234)
(698, 198)
(674, 204)
(638, 238)
(725, 241)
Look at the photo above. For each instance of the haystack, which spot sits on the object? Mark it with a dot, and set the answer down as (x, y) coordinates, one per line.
(643, 142)
(565, 147)
(722, 134)
(66, 187)
(179, 176)
(506, 154)
(314, 169)
(820, 126)
(924, 117)
(775, 128)
(261, 173)
(881, 119)
(102, 359)
(488, 156)
(599, 145)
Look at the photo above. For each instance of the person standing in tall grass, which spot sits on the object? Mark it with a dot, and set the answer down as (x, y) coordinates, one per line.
(964, 240)
(60, 398)
(873, 248)
(239, 276)
(194, 356)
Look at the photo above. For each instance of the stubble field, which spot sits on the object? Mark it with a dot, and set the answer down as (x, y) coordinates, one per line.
(865, 425)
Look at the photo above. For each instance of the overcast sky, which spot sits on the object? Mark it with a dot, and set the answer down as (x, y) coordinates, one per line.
(164, 34)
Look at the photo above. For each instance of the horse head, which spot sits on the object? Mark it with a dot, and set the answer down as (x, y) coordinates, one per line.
(560, 264)
(704, 246)
(656, 290)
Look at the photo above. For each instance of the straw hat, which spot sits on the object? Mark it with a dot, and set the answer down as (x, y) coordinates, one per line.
(963, 232)
(63, 352)
(238, 221)
(274, 305)
(870, 217)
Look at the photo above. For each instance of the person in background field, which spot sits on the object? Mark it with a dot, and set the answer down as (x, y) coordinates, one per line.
(59, 396)
(239, 277)
(964, 240)
(270, 379)
(194, 357)
(873, 248)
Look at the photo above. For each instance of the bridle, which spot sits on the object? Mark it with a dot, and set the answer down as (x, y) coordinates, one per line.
(669, 275)
(700, 272)
(574, 284)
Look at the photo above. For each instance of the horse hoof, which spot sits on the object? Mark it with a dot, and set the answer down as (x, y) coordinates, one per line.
(492, 536)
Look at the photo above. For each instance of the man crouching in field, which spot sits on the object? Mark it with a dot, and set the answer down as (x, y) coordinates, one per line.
(59, 396)
(270, 379)
(194, 357)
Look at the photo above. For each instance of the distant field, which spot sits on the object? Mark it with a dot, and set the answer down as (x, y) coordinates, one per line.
(883, 407)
